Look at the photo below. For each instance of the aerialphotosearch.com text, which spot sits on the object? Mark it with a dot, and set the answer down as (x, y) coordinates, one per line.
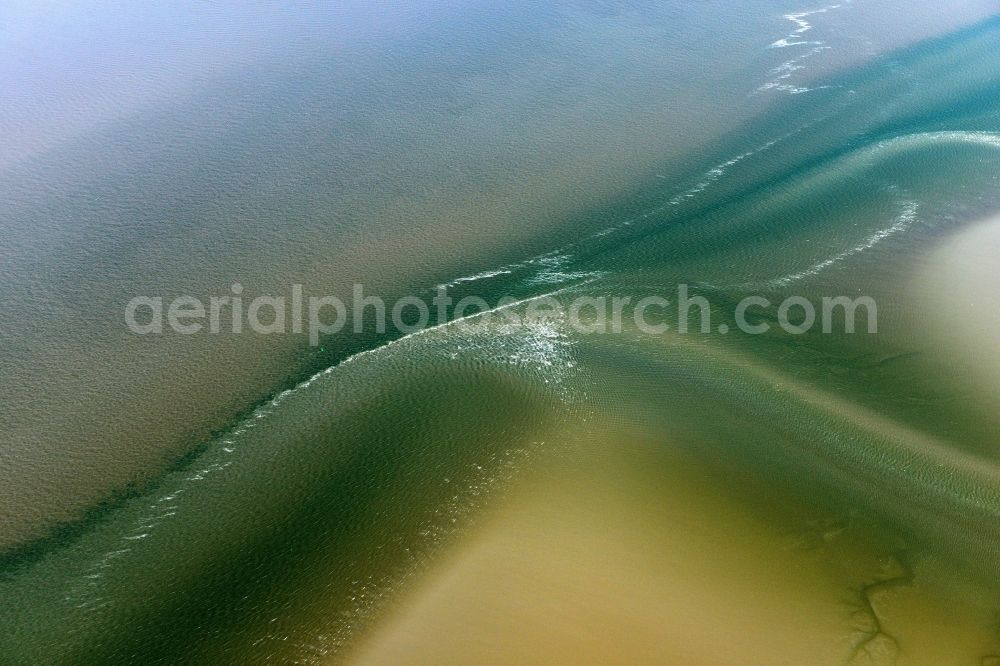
(295, 313)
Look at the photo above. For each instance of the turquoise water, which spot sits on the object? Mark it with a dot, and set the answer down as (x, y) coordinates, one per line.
(242, 500)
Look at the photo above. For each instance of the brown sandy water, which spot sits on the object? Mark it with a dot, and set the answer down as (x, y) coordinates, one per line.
(516, 494)
(633, 555)
(187, 150)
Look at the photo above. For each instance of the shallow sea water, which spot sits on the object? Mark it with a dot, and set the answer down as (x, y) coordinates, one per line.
(514, 494)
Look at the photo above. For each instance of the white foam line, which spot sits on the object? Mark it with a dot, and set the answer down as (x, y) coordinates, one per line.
(908, 216)
(718, 171)
(707, 179)
(145, 529)
(485, 275)
(959, 136)
(431, 329)
(786, 70)
(905, 219)
(562, 254)
(265, 409)
(803, 26)
(785, 42)
(795, 38)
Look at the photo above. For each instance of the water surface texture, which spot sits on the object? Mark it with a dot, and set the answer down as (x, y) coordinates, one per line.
(506, 493)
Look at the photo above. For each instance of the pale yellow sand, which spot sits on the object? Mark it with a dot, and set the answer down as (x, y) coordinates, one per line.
(959, 301)
(633, 559)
